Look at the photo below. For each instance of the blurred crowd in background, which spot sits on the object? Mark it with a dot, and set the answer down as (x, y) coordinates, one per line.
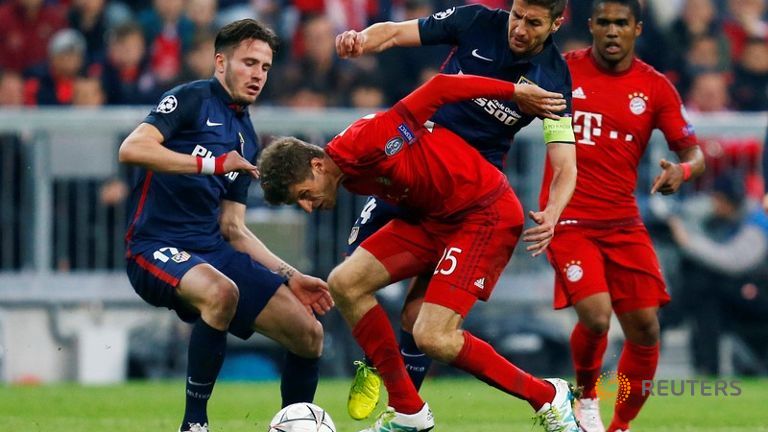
(100, 52)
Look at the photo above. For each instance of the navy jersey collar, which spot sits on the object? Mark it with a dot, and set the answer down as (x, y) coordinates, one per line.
(222, 94)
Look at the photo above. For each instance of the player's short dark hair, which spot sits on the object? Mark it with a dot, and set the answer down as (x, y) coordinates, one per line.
(633, 5)
(284, 163)
(235, 32)
(555, 7)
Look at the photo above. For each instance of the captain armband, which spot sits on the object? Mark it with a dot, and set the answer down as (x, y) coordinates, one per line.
(558, 130)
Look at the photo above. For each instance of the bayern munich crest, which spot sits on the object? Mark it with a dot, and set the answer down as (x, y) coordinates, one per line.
(573, 271)
(638, 103)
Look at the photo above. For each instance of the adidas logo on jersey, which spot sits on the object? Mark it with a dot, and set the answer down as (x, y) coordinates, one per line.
(480, 283)
(579, 93)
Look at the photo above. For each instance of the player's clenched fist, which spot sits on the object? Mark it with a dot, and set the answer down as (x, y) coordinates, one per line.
(350, 44)
(534, 100)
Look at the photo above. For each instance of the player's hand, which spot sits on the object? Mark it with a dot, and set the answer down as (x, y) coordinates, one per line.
(534, 100)
(541, 235)
(670, 179)
(235, 162)
(765, 202)
(312, 292)
(350, 44)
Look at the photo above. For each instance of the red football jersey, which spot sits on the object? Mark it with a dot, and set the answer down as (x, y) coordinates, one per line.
(429, 170)
(436, 175)
(613, 117)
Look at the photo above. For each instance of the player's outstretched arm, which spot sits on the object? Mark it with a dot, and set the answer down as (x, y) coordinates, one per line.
(311, 291)
(144, 147)
(673, 175)
(562, 158)
(444, 89)
(377, 38)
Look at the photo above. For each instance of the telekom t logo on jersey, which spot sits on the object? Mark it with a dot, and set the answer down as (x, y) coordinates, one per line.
(584, 127)
(588, 125)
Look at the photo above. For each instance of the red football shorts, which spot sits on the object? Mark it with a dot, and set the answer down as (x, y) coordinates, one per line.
(470, 253)
(617, 260)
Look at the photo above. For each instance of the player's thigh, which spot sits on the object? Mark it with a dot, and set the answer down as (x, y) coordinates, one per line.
(373, 216)
(633, 272)
(286, 320)
(578, 264)
(166, 276)
(256, 284)
(402, 249)
(475, 253)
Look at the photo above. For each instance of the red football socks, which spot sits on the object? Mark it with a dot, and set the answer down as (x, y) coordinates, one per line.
(375, 335)
(481, 360)
(587, 349)
(637, 363)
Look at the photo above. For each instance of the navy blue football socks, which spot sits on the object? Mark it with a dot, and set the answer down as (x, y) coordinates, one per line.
(204, 358)
(299, 380)
(416, 362)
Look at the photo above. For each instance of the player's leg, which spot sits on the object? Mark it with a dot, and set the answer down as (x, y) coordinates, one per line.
(580, 281)
(637, 291)
(476, 253)
(268, 306)
(366, 386)
(397, 251)
(199, 294)
(286, 320)
(416, 362)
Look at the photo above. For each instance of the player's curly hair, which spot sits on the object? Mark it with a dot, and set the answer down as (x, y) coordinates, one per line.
(285, 162)
(235, 32)
(634, 6)
(556, 7)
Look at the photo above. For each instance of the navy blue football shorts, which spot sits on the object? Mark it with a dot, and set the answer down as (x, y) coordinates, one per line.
(375, 214)
(155, 270)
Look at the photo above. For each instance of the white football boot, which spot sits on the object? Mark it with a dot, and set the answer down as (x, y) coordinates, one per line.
(393, 421)
(588, 415)
(557, 416)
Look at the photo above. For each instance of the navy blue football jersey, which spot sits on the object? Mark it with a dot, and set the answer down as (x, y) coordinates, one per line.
(481, 47)
(198, 118)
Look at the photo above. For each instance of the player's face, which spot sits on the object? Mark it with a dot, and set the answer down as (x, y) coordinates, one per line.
(614, 30)
(244, 69)
(318, 192)
(529, 27)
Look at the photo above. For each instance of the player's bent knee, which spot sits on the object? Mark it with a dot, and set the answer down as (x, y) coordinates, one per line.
(435, 344)
(222, 298)
(598, 323)
(309, 343)
(343, 285)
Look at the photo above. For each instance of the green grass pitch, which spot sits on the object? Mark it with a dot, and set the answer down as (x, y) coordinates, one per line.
(459, 405)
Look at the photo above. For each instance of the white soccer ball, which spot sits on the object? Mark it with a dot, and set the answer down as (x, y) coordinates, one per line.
(302, 417)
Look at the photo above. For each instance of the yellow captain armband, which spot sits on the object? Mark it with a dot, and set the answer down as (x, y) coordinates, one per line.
(558, 130)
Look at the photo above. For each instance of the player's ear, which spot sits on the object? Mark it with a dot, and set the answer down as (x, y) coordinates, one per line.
(317, 164)
(638, 29)
(557, 23)
(219, 61)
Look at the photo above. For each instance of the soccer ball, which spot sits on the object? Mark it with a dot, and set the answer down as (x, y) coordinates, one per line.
(302, 417)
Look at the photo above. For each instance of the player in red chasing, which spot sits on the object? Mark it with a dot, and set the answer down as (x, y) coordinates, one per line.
(601, 252)
(467, 222)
